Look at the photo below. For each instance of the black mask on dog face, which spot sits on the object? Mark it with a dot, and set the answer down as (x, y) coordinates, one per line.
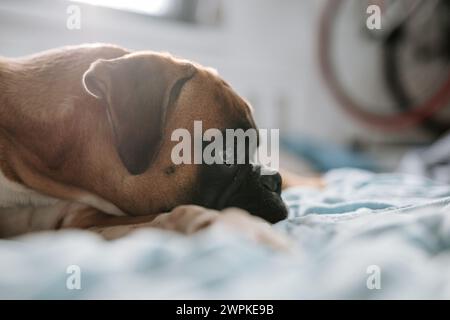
(242, 186)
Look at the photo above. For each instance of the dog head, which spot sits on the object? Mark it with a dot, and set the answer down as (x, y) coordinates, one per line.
(148, 96)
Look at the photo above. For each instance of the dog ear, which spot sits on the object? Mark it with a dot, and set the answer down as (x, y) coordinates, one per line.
(137, 90)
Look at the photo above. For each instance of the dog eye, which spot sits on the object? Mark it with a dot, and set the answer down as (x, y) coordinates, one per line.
(228, 158)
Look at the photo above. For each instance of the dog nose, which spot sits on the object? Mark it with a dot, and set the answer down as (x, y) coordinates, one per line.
(272, 182)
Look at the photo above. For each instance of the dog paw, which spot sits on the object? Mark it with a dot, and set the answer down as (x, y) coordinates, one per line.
(253, 228)
(75, 215)
(189, 219)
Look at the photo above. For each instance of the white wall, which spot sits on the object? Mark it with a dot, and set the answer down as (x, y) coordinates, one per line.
(265, 48)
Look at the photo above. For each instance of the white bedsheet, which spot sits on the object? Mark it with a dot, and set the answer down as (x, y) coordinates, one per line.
(388, 230)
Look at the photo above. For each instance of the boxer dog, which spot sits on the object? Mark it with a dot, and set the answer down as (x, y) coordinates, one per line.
(85, 143)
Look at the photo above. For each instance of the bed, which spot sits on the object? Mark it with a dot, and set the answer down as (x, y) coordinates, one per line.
(366, 236)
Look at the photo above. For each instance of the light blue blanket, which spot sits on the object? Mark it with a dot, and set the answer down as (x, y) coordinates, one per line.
(364, 236)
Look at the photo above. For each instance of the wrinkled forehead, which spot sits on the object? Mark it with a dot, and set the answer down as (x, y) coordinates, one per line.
(225, 96)
(210, 99)
(239, 110)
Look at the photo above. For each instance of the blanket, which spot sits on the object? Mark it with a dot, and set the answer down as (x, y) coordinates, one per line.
(366, 236)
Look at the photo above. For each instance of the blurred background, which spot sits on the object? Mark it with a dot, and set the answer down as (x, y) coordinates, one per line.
(341, 93)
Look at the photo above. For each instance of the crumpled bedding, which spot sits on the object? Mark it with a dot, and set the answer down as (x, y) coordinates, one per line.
(366, 236)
